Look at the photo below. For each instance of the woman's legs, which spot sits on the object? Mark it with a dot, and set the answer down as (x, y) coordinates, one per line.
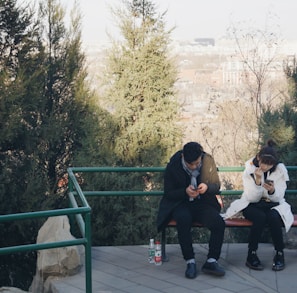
(258, 217)
(275, 224)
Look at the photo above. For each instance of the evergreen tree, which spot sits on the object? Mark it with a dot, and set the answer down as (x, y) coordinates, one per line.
(141, 76)
(46, 113)
(140, 95)
(21, 77)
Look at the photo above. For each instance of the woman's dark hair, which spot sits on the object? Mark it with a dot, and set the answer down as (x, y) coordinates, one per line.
(192, 151)
(267, 155)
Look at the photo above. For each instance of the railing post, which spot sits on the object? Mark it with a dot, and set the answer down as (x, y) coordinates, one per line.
(70, 217)
(88, 253)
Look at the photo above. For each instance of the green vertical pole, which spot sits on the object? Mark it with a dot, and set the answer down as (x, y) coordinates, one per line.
(88, 253)
(70, 217)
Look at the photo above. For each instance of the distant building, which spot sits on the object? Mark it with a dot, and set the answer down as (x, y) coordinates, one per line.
(204, 41)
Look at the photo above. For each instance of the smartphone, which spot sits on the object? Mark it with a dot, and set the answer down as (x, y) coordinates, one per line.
(268, 181)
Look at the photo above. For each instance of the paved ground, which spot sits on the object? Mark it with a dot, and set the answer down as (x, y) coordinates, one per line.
(126, 269)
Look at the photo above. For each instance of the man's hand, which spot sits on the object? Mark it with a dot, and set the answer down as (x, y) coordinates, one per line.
(202, 188)
(192, 192)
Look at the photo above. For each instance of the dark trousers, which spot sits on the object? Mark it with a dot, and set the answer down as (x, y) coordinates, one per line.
(262, 216)
(209, 217)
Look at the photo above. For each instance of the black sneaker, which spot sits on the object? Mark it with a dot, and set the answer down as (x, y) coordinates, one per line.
(253, 261)
(191, 271)
(278, 261)
(213, 268)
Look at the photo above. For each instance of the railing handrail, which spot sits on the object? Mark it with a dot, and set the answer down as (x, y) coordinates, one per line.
(43, 214)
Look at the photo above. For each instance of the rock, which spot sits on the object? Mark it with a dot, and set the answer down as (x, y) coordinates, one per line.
(55, 262)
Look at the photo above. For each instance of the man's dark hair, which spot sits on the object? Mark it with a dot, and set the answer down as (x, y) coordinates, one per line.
(192, 151)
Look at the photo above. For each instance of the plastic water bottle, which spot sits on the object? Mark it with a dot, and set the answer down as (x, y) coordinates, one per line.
(151, 251)
(158, 254)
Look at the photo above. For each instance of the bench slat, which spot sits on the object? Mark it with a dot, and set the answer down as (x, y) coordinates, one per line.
(235, 222)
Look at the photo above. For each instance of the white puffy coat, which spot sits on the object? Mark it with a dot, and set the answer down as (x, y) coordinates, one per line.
(254, 193)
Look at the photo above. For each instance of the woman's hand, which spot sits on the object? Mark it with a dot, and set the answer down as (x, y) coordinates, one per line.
(269, 187)
(258, 175)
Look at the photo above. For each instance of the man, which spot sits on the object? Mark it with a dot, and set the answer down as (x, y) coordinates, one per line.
(191, 183)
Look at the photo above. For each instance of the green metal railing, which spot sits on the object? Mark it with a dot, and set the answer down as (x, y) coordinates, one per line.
(82, 211)
(83, 218)
(156, 170)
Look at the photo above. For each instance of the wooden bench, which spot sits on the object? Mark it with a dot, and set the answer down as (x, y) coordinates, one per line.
(230, 223)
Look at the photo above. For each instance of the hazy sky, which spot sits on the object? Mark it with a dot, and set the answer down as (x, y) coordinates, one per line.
(192, 18)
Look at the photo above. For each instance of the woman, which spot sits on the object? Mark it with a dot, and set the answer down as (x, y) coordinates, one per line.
(263, 203)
